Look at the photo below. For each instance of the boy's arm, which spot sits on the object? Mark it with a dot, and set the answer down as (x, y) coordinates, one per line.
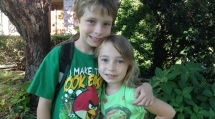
(161, 109)
(144, 95)
(44, 108)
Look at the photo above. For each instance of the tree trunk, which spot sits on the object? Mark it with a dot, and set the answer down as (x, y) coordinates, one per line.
(30, 17)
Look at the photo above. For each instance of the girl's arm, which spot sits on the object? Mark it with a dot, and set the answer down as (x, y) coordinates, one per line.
(44, 108)
(144, 95)
(161, 109)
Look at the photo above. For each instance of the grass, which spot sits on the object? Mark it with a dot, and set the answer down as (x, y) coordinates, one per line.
(13, 96)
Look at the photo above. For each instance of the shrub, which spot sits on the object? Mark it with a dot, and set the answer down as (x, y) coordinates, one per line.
(12, 51)
(183, 87)
(14, 100)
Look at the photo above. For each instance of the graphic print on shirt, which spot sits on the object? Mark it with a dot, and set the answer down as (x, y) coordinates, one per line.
(80, 97)
(117, 112)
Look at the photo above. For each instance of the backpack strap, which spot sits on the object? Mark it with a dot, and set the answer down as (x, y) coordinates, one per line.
(65, 60)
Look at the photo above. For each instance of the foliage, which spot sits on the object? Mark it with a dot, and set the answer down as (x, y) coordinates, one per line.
(136, 22)
(56, 39)
(12, 51)
(14, 98)
(183, 87)
(184, 32)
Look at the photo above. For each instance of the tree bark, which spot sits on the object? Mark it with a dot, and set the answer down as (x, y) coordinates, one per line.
(30, 17)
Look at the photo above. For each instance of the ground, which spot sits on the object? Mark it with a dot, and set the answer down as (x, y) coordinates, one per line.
(13, 95)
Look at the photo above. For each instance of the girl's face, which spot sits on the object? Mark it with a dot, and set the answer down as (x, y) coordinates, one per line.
(112, 67)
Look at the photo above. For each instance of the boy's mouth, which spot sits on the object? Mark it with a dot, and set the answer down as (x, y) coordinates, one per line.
(94, 38)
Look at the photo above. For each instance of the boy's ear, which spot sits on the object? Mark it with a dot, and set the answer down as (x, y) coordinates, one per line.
(75, 20)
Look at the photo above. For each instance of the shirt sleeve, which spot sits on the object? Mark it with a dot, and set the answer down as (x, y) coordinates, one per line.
(46, 77)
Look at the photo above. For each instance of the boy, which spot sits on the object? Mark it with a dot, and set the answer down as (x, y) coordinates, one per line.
(79, 97)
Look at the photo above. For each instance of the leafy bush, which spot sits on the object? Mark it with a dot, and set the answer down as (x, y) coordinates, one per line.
(184, 32)
(56, 39)
(183, 87)
(14, 100)
(136, 22)
(12, 51)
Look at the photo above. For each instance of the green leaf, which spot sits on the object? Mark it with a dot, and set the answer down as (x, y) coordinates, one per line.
(201, 98)
(2, 102)
(187, 90)
(213, 88)
(156, 84)
(167, 89)
(185, 76)
(182, 84)
(204, 113)
(212, 114)
(172, 75)
(207, 93)
(196, 109)
(180, 116)
(174, 103)
(187, 95)
(194, 80)
(188, 110)
(193, 116)
(190, 102)
(178, 91)
(173, 84)
(212, 103)
(158, 72)
(179, 99)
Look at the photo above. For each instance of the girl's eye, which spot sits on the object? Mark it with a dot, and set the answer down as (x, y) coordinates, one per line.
(120, 61)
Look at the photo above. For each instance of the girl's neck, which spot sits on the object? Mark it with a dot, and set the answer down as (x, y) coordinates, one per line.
(112, 88)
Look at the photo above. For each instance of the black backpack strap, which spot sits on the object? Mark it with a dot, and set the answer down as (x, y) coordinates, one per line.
(65, 60)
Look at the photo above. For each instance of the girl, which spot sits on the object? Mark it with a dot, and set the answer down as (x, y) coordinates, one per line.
(117, 66)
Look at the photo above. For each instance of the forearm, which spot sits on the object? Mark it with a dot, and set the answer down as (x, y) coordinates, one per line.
(44, 109)
(161, 109)
(160, 117)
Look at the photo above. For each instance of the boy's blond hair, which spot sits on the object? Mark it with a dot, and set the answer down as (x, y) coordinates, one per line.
(109, 6)
(124, 47)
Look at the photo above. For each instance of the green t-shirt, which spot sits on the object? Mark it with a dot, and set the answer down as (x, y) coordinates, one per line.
(79, 97)
(119, 105)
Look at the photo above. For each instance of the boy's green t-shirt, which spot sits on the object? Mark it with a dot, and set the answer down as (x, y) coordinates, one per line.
(119, 105)
(79, 97)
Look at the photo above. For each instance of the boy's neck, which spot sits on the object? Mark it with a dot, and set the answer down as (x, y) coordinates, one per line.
(83, 47)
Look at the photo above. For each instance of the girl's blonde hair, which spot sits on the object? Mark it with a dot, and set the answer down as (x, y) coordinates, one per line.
(111, 6)
(124, 47)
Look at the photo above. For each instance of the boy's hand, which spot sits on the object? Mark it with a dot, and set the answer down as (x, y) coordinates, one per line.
(144, 95)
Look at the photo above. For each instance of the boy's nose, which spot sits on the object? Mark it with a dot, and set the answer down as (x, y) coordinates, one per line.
(98, 29)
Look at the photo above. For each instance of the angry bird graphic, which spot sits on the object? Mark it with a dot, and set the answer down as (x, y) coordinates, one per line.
(86, 104)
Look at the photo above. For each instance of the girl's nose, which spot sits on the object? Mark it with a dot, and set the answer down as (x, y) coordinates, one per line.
(111, 66)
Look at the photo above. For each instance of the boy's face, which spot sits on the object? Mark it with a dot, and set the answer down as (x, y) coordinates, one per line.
(93, 26)
(112, 67)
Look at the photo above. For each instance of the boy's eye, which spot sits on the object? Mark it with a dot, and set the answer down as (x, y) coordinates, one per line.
(107, 24)
(91, 21)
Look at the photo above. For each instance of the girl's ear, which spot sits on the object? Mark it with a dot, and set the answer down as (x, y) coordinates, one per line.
(75, 20)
